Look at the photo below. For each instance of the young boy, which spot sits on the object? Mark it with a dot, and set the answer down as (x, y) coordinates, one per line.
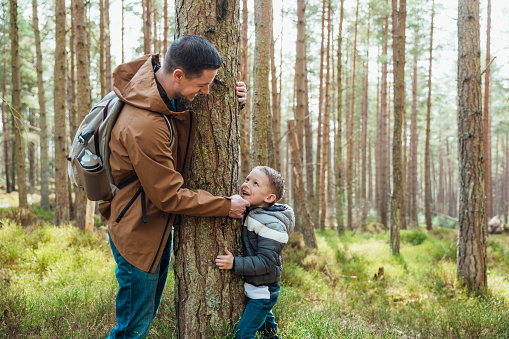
(265, 230)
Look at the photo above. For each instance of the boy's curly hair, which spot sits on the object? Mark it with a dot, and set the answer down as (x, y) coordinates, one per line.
(276, 181)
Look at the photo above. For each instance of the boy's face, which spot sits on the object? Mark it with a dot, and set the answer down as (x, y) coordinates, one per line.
(256, 189)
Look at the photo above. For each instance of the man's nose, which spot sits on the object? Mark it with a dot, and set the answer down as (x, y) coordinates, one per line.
(205, 90)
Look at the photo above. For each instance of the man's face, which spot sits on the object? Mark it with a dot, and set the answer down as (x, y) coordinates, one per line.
(189, 88)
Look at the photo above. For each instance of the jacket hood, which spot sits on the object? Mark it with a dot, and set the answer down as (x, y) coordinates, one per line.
(134, 84)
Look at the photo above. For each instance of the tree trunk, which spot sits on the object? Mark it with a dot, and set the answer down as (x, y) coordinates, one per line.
(349, 172)
(107, 37)
(316, 203)
(276, 105)
(471, 270)
(31, 154)
(325, 140)
(303, 219)
(262, 148)
(123, 29)
(17, 107)
(61, 192)
(154, 38)
(427, 177)
(245, 114)
(5, 127)
(398, 44)
(165, 30)
(364, 131)
(338, 142)
(205, 298)
(412, 173)
(83, 88)
(300, 76)
(147, 26)
(487, 123)
(102, 48)
(44, 145)
(384, 173)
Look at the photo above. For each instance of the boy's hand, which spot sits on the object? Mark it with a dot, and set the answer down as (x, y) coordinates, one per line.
(225, 262)
(241, 91)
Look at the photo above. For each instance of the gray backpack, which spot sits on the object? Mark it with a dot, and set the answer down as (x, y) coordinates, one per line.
(89, 156)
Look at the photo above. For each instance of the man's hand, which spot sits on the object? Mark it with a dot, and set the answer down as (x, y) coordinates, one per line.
(241, 91)
(225, 262)
(238, 206)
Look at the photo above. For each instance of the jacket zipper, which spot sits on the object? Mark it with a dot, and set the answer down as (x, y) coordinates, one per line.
(129, 204)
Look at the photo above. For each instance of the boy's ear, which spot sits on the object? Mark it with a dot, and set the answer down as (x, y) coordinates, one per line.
(270, 198)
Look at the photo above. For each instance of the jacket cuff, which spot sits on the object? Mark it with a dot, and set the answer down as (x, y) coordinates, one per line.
(225, 210)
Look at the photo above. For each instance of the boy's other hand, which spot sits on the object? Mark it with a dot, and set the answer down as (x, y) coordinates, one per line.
(241, 91)
(238, 206)
(225, 262)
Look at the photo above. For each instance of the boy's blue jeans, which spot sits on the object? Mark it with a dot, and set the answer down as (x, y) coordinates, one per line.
(258, 317)
(139, 295)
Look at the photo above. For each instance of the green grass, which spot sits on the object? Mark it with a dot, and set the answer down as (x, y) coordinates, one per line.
(57, 282)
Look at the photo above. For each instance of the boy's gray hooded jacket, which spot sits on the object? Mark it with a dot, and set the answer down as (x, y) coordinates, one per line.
(265, 231)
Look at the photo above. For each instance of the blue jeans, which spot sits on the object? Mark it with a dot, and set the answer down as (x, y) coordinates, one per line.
(139, 295)
(258, 317)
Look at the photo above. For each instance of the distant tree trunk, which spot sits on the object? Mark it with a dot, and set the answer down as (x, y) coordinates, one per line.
(5, 127)
(308, 131)
(123, 29)
(506, 175)
(486, 121)
(398, 43)
(44, 144)
(303, 219)
(326, 115)
(300, 75)
(209, 300)
(316, 203)
(31, 155)
(83, 88)
(107, 36)
(338, 143)
(165, 30)
(147, 26)
(452, 190)
(349, 172)
(440, 190)
(471, 271)
(102, 48)
(17, 107)
(427, 177)
(245, 114)
(61, 191)
(384, 159)
(262, 148)
(276, 105)
(154, 38)
(364, 130)
(412, 173)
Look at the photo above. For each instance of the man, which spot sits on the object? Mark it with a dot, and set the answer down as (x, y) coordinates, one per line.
(151, 147)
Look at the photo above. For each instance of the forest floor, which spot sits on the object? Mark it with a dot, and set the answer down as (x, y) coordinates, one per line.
(57, 282)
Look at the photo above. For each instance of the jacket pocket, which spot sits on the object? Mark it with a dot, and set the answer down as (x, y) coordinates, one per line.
(129, 204)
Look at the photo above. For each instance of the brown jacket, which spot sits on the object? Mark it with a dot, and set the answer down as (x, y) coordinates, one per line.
(140, 146)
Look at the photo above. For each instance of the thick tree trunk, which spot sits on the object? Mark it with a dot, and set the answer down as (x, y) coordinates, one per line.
(17, 107)
(245, 114)
(83, 88)
(303, 219)
(262, 147)
(486, 121)
(207, 298)
(338, 142)
(326, 119)
(61, 184)
(398, 43)
(427, 155)
(471, 268)
(44, 144)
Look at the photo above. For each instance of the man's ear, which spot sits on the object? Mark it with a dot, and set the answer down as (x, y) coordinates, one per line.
(270, 198)
(178, 75)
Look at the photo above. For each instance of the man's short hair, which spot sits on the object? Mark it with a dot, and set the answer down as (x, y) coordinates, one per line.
(193, 54)
(276, 181)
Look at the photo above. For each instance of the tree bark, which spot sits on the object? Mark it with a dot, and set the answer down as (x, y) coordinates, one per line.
(44, 144)
(207, 298)
(147, 26)
(61, 192)
(245, 114)
(412, 173)
(5, 126)
(364, 130)
(427, 163)
(338, 142)
(17, 107)
(83, 88)
(276, 105)
(262, 147)
(486, 121)
(165, 30)
(303, 219)
(471, 268)
(107, 37)
(300, 76)
(102, 48)
(384, 173)
(326, 119)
